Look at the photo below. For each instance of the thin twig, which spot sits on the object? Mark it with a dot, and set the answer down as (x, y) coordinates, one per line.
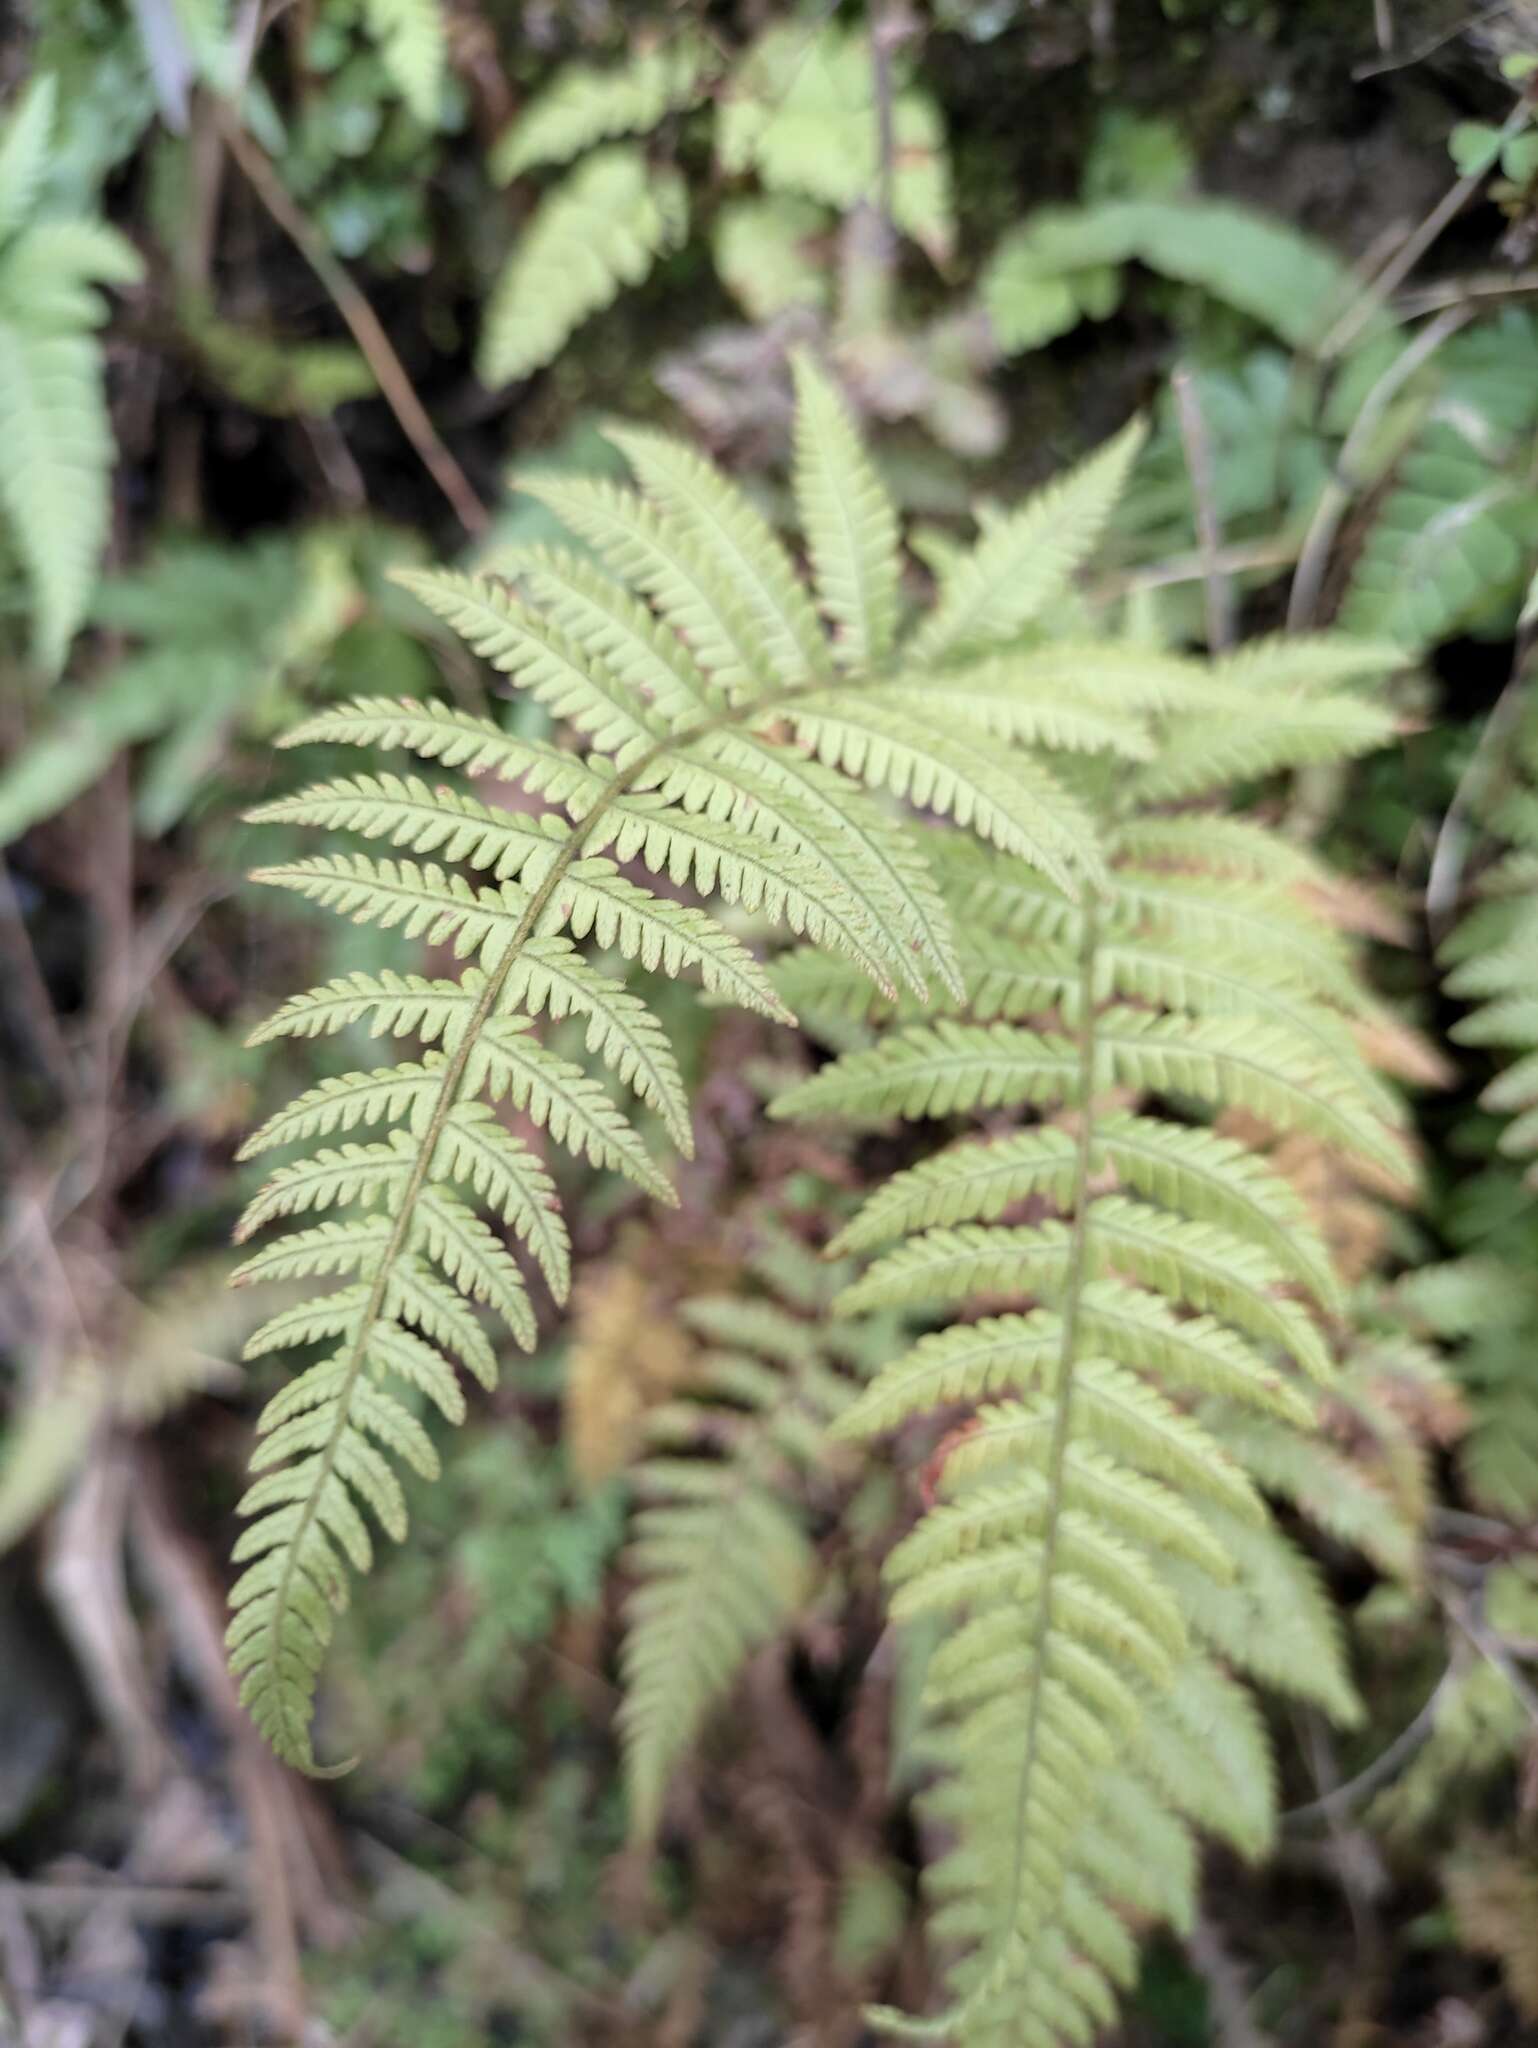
(399, 392)
(1393, 274)
(1198, 453)
(35, 1002)
(1227, 1993)
(1357, 1864)
(1340, 1800)
(1492, 1649)
(868, 245)
(1280, 552)
(887, 29)
(1431, 45)
(1344, 483)
(1460, 291)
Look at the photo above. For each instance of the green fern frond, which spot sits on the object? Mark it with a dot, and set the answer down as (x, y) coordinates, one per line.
(602, 228)
(801, 112)
(680, 682)
(413, 46)
(53, 414)
(954, 771)
(722, 1553)
(1098, 1551)
(1061, 264)
(459, 739)
(645, 550)
(586, 103)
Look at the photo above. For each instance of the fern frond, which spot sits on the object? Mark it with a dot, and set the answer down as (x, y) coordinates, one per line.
(53, 414)
(969, 1183)
(352, 1173)
(413, 47)
(428, 902)
(645, 551)
(663, 937)
(602, 228)
(1262, 1068)
(1275, 1622)
(404, 810)
(1491, 956)
(508, 1061)
(1198, 1172)
(343, 1101)
(722, 1553)
(550, 975)
(585, 104)
(936, 1070)
(613, 626)
(1098, 1553)
(791, 885)
(801, 111)
(1275, 735)
(773, 787)
(570, 681)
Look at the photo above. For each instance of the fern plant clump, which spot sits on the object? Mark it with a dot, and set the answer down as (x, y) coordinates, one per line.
(737, 730)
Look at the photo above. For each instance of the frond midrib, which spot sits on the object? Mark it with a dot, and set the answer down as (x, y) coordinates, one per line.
(1062, 1431)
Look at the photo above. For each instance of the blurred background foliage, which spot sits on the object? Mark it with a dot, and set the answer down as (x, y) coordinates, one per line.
(287, 292)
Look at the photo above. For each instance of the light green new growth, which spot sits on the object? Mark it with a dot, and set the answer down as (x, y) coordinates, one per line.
(603, 227)
(801, 111)
(587, 104)
(413, 45)
(53, 412)
(1146, 1300)
(718, 744)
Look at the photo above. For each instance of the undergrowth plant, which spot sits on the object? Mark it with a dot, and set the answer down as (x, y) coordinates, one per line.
(728, 737)
(738, 1466)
